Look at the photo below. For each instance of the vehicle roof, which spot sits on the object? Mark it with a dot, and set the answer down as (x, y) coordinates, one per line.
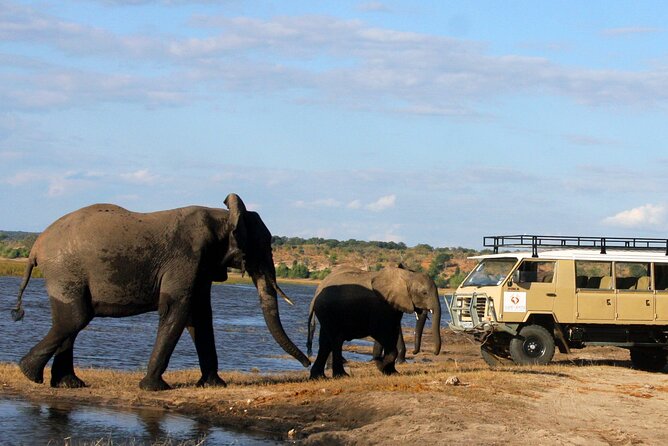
(583, 254)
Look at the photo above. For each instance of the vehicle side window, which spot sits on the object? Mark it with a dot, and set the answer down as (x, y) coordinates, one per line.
(632, 276)
(536, 271)
(661, 276)
(593, 275)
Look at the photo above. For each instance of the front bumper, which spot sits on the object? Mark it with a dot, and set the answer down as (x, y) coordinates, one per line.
(472, 312)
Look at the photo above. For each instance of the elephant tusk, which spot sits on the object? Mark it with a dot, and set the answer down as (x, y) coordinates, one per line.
(283, 295)
(287, 299)
(417, 317)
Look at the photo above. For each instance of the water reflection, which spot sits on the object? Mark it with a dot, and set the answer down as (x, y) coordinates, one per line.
(23, 422)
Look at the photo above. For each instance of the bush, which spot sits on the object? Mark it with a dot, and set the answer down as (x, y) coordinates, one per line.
(282, 270)
(321, 274)
(298, 271)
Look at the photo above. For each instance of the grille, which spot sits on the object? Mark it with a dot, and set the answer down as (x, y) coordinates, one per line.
(480, 306)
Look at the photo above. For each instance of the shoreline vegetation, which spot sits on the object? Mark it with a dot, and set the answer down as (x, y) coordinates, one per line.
(305, 260)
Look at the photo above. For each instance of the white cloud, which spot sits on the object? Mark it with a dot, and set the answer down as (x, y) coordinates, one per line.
(367, 67)
(20, 178)
(382, 203)
(355, 204)
(631, 30)
(142, 176)
(649, 215)
(320, 203)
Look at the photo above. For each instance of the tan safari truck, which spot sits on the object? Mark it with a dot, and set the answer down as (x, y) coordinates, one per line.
(566, 293)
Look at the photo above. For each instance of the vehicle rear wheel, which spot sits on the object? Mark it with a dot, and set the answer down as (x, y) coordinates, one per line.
(533, 345)
(649, 359)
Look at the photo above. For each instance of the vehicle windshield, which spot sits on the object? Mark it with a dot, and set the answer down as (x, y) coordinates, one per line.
(490, 272)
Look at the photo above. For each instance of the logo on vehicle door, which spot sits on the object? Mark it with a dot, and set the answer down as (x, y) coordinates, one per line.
(514, 302)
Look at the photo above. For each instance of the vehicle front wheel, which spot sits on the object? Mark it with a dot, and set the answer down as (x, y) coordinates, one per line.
(533, 345)
(649, 359)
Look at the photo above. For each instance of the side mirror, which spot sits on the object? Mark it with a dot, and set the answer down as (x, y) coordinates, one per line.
(515, 278)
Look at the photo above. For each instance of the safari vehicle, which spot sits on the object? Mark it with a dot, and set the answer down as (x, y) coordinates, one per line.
(566, 293)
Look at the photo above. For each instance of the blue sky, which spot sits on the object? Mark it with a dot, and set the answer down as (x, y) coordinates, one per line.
(422, 122)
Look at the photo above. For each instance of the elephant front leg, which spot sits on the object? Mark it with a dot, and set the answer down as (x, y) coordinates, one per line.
(173, 317)
(337, 360)
(201, 332)
(386, 363)
(401, 347)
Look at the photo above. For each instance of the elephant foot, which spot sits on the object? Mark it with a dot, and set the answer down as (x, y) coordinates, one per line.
(32, 372)
(67, 382)
(211, 381)
(153, 384)
(390, 370)
(400, 361)
(317, 376)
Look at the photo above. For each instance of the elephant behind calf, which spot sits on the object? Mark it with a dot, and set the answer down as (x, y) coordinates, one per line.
(353, 304)
(103, 260)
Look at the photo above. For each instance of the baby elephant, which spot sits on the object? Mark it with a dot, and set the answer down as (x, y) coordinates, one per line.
(353, 304)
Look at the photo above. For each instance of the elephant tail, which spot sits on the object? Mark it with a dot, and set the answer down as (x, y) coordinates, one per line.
(18, 312)
(311, 330)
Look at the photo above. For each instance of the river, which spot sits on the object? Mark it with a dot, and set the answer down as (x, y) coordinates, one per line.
(242, 339)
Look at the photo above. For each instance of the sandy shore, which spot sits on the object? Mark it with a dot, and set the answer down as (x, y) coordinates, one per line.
(590, 398)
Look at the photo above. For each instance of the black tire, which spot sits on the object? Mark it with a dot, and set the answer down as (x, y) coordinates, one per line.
(494, 350)
(490, 358)
(533, 346)
(649, 359)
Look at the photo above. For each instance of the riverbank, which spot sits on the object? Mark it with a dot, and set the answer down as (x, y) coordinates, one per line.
(592, 397)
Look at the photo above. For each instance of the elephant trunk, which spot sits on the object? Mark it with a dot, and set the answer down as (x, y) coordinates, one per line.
(419, 328)
(436, 324)
(267, 290)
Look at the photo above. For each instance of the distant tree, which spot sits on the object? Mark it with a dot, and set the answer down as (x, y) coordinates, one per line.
(438, 264)
(457, 278)
(320, 274)
(282, 270)
(298, 271)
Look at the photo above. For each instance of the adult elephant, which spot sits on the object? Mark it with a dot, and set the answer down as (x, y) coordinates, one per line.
(353, 304)
(103, 260)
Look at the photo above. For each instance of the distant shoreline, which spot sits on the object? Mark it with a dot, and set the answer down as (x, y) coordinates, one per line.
(16, 268)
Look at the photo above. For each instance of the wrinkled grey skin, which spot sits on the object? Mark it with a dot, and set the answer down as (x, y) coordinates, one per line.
(353, 304)
(105, 261)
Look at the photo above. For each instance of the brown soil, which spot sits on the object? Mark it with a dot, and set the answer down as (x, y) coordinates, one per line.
(588, 398)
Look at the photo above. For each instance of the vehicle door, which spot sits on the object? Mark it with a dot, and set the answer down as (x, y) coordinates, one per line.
(661, 292)
(635, 298)
(594, 291)
(532, 288)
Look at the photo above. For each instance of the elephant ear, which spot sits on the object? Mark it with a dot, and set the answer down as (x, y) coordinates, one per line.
(392, 285)
(238, 239)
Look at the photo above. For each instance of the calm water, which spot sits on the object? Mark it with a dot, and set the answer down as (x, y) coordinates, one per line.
(242, 339)
(30, 423)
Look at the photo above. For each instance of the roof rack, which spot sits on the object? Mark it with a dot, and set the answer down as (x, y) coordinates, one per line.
(560, 241)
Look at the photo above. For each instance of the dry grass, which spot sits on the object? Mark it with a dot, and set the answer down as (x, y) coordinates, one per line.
(366, 404)
(16, 267)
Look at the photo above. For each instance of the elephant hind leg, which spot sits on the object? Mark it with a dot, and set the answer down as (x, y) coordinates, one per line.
(174, 314)
(68, 319)
(324, 349)
(62, 371)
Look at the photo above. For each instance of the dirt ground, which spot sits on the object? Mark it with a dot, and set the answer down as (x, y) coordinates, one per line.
(591, 397)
